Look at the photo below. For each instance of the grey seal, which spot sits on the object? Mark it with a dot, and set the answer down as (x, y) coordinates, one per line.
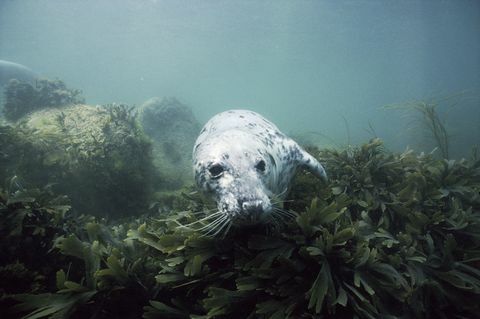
(10, 70)
(246, 164)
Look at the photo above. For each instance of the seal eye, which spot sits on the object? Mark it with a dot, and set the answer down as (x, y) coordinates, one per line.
(260, 166)
(216, 170)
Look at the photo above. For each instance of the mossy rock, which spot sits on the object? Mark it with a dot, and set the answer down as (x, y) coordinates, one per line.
(97, 155)
(21, 98)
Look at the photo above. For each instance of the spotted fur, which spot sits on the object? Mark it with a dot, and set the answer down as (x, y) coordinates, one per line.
(243, 161)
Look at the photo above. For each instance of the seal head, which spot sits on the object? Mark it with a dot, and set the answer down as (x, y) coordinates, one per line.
(236, 175)
(246, 164)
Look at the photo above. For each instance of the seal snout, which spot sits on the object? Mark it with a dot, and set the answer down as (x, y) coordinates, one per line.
(251, 207)
(251, 211)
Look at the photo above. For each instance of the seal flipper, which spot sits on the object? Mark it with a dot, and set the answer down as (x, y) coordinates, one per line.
(311, 164)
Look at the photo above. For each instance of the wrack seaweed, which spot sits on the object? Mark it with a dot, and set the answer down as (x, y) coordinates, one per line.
(393, 235)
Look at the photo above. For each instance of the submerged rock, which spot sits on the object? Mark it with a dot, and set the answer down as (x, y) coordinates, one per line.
(173, 129)
(97, 155)
(21, 98)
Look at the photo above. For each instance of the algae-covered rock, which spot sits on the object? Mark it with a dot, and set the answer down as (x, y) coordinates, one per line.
(173, 128)
(98, 156)
(21, 98)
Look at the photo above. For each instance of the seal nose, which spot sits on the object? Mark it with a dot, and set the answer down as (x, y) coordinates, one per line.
(252, 207)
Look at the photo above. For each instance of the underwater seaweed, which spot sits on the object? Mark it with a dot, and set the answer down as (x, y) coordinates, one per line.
(430, 117)
(22, 98)
(393, 235)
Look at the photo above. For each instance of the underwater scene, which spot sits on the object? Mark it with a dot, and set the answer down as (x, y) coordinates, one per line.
(239, 159)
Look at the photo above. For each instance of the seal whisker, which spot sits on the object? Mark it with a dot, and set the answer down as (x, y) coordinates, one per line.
(276, 216)
(219, 226)
(219, 223)
(285, 213)
(204, 211)
(207, 228)
(279, 195)
(213, 224)
(227, 229)
(284, 210)
(203, 219)
(275, 202)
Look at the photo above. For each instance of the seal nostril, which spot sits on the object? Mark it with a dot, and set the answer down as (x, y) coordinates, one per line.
(252, 206)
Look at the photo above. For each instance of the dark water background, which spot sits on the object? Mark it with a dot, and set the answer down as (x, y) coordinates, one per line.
(315, 68)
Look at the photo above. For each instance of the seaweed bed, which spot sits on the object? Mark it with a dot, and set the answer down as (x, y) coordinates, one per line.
(89, 229)
(390, 236)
